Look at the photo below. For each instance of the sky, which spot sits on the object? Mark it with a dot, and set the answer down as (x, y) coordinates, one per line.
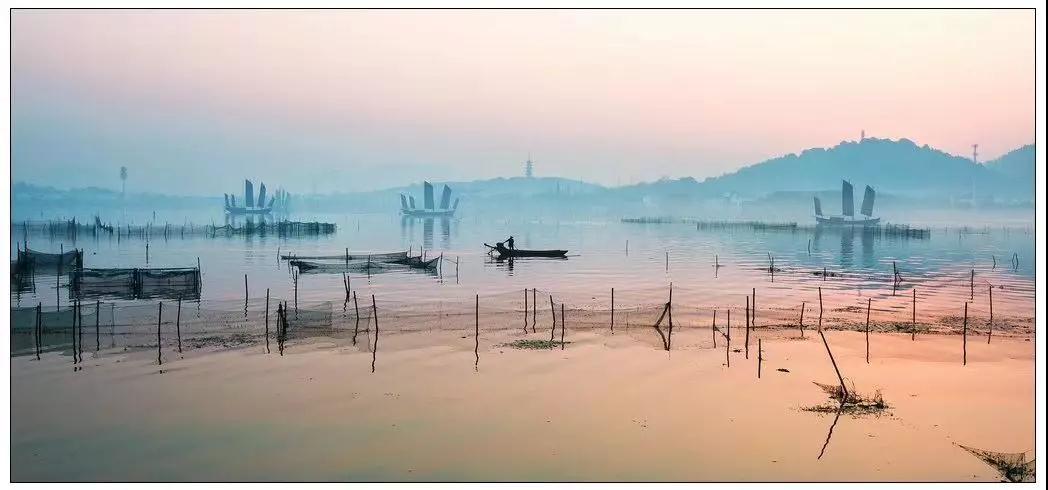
(192, 102)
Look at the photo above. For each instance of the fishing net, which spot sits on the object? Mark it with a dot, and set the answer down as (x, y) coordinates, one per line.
(1013, 466)
(348, 257)
(43, 262)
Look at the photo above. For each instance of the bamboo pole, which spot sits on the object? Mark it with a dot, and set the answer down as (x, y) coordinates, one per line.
(753, 308)
(79, 330)
(760, 358)
(913, 332)
(525, 311)
(39, 331)
(159, 315)
(802, 320)
(476, 333)
(374, 352)
(820, 309)
(72, 329)
(973, 285)
(964, 335)
(612, 310)
(869, 304)
(713, 328)
(356, 313)
(990, 334)
(178, 320)
(727, 343)
(747, 342)
(553, 312)
(669, 311)
(562, 326)
(267, 320)
(844, 389)
(534, 308)
(98, 307)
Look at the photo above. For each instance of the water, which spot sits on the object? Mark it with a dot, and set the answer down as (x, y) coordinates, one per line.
(605, 406)
(639, 261)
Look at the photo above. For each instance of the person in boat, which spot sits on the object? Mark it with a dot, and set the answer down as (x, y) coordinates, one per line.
(509, 243)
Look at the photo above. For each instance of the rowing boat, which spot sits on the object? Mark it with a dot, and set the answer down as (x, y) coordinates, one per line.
(505, 253)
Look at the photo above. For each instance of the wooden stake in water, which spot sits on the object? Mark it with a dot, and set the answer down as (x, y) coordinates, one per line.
(525, 310)
(79, 331)
(747, 342)
(98, 307)
(72, 329)
(869, 304)
(159, 315)
(267, 320)
(840, 378)
(356, 313)
(713, 328)
(753, 314)
(802, 320)
(973, 284)
(374, 352)
(964, 336)
(612, 310)
(476, 333)
(990, 334)
(562, 326)
(534, 308)
(553, 312)
(913, 332)
(727, 342)
(669, 311)
(39, 330)
(178, 319)
(820, 309)
(760, 358)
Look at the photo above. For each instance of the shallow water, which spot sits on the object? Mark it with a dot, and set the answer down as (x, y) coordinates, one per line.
(605, 408)
(859, 264)
(610, 406)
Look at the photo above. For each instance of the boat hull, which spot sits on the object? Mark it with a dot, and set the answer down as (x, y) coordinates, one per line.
(846, 221)
(508, 253)
(428, 213)
(248, 211)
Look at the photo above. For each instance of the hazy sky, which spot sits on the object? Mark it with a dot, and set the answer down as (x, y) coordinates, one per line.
(347, 100)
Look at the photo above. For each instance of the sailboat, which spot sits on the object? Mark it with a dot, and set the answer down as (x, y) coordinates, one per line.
(251, 206)
(446, 209)
(847, 217)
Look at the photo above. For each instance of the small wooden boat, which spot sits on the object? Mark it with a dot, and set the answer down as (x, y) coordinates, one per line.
(418, 262)
(505, 253)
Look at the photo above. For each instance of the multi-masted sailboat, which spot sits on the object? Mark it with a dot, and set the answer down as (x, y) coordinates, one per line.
(847, 217)
(446, 209)
(251, 206)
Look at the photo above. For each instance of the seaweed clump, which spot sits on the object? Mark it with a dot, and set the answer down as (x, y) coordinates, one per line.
(849, 401)
(533, 344)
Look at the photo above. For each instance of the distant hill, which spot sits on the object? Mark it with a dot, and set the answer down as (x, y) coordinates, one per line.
(897, 167)
(1017, 164)
(905, 175)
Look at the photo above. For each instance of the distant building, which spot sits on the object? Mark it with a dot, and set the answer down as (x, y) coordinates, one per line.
(529, 167)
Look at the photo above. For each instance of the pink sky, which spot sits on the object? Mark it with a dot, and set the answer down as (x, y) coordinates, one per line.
(609, 96)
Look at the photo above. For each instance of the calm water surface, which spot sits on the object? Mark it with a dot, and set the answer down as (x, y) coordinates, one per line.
(639, 261)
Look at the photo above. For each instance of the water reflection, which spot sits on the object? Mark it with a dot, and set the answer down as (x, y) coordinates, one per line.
(407, 231)
(847, 245)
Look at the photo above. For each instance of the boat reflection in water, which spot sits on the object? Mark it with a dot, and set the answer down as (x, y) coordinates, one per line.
(407, 230)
